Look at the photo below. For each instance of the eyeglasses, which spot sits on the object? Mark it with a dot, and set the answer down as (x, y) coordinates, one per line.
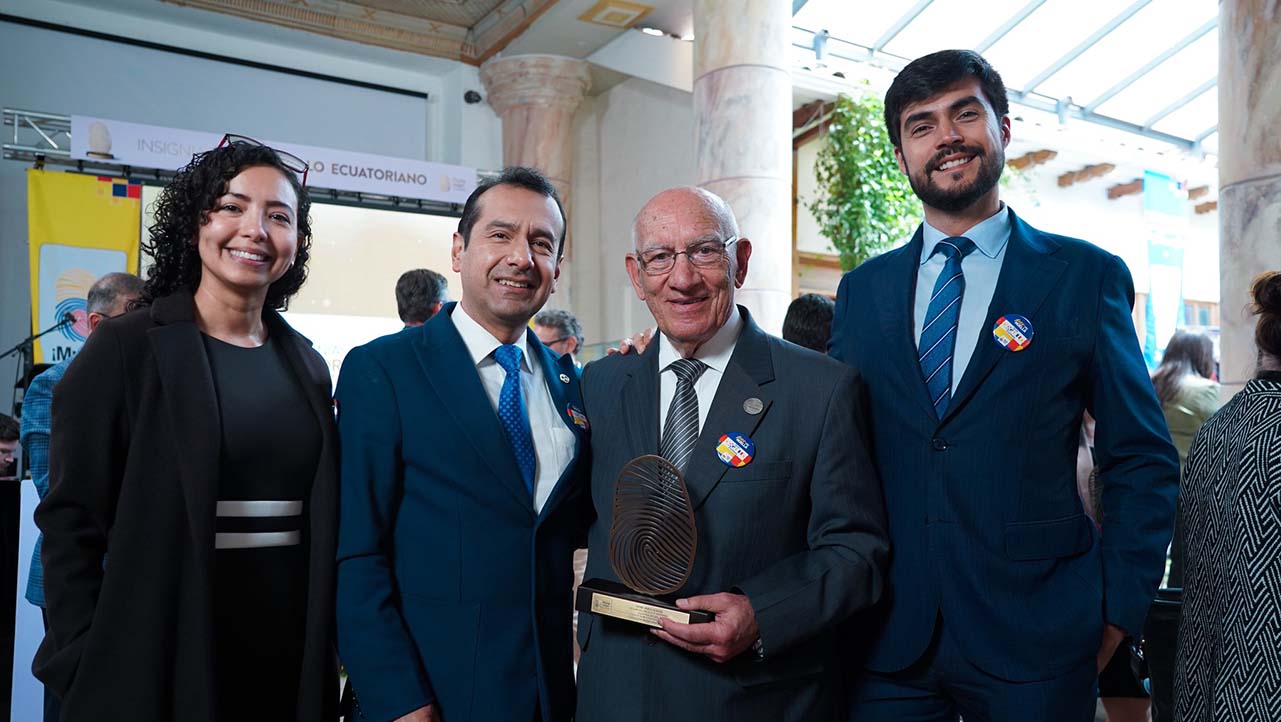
(707, 254)
(287, 159)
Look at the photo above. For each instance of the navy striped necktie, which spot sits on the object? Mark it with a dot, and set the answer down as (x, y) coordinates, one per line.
(681, 430)
(938, 335)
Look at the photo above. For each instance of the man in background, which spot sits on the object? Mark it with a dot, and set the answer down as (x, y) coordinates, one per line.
(419, 295)
(110, 296)
(808, 321)
(8, 442)
(560, 331)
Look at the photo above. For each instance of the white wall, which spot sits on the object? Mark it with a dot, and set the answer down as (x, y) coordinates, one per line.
(630, 142)
(59, 72)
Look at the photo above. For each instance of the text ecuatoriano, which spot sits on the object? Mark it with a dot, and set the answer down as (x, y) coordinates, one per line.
(380, 174)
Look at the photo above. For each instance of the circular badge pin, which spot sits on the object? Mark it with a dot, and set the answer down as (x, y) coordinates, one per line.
(753, 406)
(1013, 332)
(735, 449)
(564, 378)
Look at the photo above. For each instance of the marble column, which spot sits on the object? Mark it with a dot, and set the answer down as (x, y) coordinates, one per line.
(742, 116)
(536, 96)
(1249, 172)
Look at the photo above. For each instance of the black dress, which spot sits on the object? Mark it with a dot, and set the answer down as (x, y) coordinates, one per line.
(270, 448)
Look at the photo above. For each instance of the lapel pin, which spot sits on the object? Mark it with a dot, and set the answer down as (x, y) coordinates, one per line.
(564, 378)
(736, 450)
(580, 419)
(1013, 332)
(753, 406)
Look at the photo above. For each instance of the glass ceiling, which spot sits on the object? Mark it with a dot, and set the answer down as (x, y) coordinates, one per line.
(1148, 66)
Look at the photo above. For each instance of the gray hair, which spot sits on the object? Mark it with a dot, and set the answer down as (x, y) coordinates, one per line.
(712, 203)
(565, 323)
(107, 291)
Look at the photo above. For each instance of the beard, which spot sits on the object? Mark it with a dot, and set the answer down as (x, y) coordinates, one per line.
(953, 200)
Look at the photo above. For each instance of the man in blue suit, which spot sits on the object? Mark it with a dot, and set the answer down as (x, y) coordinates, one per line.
(982, 342)
(461, 504)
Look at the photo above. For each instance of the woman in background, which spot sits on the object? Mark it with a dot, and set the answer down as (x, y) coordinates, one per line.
(189, 534)
(1228, 668)
(1189, 395)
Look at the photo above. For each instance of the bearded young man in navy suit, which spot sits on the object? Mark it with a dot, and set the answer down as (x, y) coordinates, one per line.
(461, 500)
(982, 341)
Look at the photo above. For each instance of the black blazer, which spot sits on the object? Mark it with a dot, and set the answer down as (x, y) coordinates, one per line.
(134, 477)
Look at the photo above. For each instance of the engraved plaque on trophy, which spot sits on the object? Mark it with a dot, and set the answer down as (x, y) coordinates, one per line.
(652, 543)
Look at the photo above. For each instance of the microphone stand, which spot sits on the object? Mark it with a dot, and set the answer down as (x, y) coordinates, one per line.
(23, 349)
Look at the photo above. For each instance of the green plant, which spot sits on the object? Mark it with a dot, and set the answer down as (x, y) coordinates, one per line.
(864, 204)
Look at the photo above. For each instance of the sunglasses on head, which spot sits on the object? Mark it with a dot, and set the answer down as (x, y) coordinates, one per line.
(287, 159)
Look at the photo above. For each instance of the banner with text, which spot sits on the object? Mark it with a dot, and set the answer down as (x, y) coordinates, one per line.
(151, 146)
(80, 228)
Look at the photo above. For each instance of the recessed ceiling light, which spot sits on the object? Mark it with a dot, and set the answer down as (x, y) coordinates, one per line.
(653, 31)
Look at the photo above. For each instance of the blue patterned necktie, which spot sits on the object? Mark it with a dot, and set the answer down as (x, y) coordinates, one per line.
(938, 335)
(511, 412)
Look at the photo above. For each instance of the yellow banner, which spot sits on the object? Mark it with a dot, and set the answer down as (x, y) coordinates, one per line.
(81, 227)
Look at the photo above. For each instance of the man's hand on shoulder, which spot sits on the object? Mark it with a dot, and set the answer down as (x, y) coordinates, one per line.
(422, 714)
(637, 343)
(731, 633)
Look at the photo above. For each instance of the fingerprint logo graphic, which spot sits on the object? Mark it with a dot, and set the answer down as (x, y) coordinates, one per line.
(71, 290)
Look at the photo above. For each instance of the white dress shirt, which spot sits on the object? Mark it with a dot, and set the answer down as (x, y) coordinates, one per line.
(553, 440)
(981, 268)
(716, 353)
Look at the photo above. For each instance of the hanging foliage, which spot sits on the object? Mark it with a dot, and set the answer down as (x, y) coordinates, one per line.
(865, 204)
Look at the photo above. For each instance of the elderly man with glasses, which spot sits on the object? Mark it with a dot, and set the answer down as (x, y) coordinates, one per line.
(792, 536)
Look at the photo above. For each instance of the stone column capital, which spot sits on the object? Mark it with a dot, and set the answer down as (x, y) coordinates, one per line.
(540, 80)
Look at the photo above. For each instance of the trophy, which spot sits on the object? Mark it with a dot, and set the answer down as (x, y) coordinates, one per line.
(652, 542)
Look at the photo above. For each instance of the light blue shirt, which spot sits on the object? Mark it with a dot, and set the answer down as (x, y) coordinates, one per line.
(981, 268)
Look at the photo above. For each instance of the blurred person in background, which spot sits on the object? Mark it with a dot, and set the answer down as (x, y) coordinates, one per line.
(1189, 395)
(193, 446)
(9, 432)
(808, 321)
(560, 331)
(108, 297)
(1227, 666)
(419, 295)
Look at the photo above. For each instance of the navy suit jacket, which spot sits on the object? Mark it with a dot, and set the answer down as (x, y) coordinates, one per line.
(986, 526)
(451, 590)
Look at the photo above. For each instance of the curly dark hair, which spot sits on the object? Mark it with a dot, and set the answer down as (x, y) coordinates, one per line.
(184, 206)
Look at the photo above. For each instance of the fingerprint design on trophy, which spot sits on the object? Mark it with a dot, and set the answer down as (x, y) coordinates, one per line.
(653, 539)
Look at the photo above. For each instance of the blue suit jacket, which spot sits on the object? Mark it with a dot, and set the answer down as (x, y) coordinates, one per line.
(986, 526)
(450, 589)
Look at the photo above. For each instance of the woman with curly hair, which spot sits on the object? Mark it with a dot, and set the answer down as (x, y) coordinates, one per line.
(189, 533)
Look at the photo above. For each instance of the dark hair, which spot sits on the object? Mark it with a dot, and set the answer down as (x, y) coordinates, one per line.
(926, 76)
(8, 428)
(184, 206)
(565, 323)
(1186, 353)
(417, 291)
(520, 177)
(104, 292)
(808, 321)
(1266, 292)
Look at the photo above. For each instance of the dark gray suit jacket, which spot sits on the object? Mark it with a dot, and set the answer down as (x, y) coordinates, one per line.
(800, 530)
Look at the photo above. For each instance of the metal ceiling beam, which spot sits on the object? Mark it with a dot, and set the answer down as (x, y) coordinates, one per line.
(797, 5)
(1167, 110)
(900, 24)
(1206, 133)
(1089, 42)
(1151, 65)
(1008, 25)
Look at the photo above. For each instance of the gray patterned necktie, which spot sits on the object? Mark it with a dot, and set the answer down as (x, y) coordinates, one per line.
(681, 430)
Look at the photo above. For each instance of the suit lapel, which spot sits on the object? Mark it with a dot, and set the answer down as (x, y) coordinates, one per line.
(187, 381)
(894, 293)
(317, 389)
(452, 373)
(564, 394)
(1028, 274)
(640, 402)
(750, 366)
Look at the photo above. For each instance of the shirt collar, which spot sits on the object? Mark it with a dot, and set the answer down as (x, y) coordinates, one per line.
(989, 235)
(481, 343)
(715, 352)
